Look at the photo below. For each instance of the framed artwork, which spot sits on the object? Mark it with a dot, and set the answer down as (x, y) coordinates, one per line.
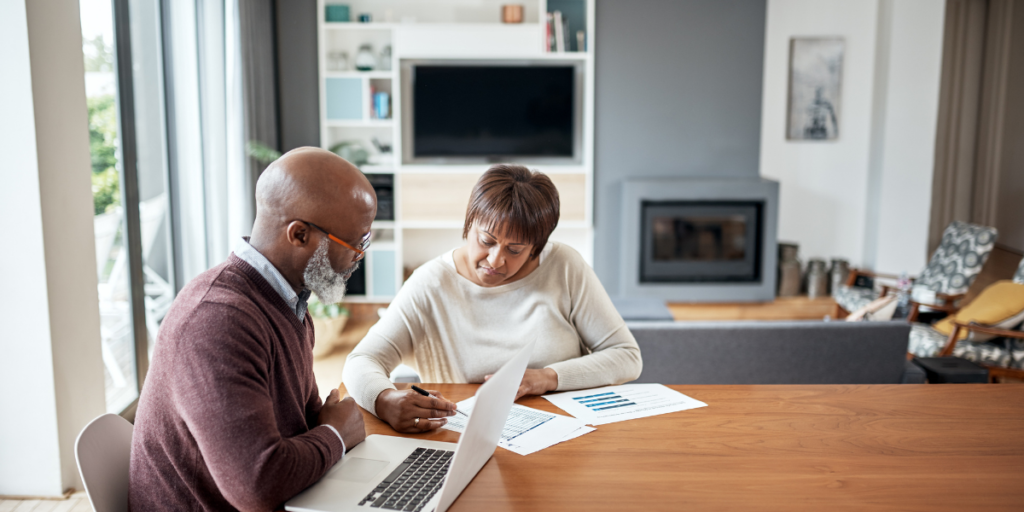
(815, 88)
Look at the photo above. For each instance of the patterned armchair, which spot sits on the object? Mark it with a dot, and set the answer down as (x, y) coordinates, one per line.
(1001, 349)
(953, 267)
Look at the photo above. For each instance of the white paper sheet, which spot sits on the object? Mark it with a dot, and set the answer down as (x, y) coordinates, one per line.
(526, 430)
(619, 403)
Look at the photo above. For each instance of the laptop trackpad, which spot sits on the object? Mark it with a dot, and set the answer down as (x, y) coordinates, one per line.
(357, 470)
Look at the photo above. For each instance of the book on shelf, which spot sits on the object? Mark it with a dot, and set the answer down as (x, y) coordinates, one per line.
(549, 33)
(558, 36)
(559, 23)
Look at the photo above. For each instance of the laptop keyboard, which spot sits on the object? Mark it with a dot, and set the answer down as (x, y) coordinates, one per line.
(413, 482)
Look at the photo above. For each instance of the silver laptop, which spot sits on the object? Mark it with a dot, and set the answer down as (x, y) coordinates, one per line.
(397, 473)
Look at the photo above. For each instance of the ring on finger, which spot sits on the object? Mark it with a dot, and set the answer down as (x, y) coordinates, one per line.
(416, 422)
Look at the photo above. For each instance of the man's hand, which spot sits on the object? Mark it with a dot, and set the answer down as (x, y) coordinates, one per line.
(343, 415)
(401, 408)
(536, 382)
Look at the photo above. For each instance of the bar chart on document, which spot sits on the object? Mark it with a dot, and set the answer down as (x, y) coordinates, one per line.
(617, 403)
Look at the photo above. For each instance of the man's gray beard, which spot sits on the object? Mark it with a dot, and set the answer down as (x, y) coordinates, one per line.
(321, 279)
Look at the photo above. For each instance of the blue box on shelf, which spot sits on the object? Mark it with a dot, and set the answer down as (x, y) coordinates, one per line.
(381, 105)
(344, 98)
(336, 12)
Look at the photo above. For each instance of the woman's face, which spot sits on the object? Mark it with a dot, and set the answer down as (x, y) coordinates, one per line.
(493, 258)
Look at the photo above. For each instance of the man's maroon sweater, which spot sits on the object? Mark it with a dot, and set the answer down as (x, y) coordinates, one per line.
(226, 418)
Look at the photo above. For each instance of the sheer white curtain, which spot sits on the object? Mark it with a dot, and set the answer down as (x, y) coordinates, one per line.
(210, 119)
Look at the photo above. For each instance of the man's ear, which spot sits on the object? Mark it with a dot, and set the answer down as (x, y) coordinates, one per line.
(298, 233)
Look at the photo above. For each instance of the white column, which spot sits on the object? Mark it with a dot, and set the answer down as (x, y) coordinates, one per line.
(903, 145)
(51, 372)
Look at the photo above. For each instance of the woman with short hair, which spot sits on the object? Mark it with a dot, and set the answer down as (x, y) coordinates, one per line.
(462, 315)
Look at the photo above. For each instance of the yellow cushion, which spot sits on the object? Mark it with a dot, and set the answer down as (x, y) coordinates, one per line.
(1000, 305)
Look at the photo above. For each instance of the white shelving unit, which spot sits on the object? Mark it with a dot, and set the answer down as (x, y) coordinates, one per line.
(425, 224)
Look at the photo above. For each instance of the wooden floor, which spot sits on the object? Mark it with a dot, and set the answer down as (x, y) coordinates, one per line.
(78, 502)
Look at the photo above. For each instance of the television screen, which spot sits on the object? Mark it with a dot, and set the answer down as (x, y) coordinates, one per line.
(493, 111)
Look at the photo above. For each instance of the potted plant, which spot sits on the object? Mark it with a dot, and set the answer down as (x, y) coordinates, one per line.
(328, 322)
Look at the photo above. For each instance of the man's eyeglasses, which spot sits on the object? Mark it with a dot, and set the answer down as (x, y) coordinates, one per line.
(360, 251)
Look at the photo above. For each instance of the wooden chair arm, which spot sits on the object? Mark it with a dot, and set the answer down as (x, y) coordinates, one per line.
(914, 310)
(995, 331)
(951, 341)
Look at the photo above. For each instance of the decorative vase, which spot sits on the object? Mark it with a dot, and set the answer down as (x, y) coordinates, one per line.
(838, 274)
(327, 334)
(336, 13)
(817, 278)
(789, 270)
(512, 13)
(365, 61)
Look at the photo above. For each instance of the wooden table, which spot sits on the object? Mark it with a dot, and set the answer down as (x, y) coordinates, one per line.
(858, 447)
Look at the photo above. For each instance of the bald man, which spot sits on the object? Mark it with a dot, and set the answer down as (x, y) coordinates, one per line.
(230, 417)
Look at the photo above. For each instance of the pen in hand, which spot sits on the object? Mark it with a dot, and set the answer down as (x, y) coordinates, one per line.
(424, 393)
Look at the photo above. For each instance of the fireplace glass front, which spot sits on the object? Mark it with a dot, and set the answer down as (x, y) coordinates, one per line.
(701, 241)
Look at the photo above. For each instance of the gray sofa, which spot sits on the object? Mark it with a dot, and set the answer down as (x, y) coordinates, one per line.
(751, 352)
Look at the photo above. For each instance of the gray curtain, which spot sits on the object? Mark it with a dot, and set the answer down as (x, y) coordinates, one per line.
(259, 74)
(969, 141)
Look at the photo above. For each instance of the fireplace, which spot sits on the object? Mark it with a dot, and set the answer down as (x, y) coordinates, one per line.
(700, 239)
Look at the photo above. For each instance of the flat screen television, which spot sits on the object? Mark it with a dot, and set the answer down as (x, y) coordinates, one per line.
(491, 111)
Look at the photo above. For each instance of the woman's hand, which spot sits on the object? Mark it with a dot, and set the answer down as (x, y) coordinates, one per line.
(536, 382)
(408, 411)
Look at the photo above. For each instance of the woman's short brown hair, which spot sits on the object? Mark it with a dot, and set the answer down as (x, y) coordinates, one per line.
(523, 204)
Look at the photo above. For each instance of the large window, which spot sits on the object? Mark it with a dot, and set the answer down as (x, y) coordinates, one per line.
(132, 221)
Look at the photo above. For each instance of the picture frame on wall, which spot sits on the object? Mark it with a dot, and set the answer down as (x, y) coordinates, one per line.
(815, 88)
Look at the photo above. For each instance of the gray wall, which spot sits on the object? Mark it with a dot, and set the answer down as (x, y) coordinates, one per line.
(678, 93)
(298, 95)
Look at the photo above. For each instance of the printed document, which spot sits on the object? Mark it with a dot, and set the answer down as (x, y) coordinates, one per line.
(526, 430)
(619, 403)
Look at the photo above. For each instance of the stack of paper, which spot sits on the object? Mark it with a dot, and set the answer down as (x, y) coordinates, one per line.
(526, 430)
(618, 403)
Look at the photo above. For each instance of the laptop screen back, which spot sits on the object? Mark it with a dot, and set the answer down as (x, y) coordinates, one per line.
(493, 403)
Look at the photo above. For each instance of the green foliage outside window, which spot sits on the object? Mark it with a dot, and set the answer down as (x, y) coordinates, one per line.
(106, 183)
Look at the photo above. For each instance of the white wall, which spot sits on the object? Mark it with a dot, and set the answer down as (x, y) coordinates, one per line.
(866, 195)
(51, 374)
(904, 162)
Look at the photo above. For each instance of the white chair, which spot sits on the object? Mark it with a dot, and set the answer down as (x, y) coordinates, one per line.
(103, 451)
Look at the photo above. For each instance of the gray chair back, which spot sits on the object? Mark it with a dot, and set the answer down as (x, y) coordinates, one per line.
(958, 259)
(772, 352)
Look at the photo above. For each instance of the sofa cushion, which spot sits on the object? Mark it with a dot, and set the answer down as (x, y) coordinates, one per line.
(925, 341)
